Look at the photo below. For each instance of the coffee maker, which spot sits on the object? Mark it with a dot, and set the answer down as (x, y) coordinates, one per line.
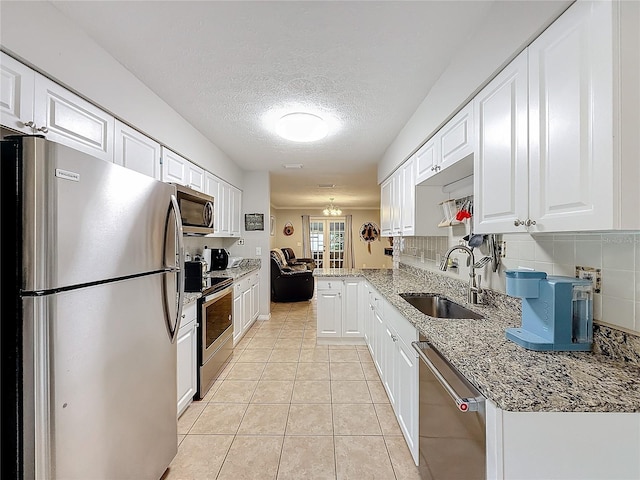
(216, 258)
(557, 312)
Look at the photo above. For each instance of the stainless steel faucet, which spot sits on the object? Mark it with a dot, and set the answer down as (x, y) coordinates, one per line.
(474, 288)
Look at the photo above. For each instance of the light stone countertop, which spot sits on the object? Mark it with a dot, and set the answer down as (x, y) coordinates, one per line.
(514, 378)
(246, 267)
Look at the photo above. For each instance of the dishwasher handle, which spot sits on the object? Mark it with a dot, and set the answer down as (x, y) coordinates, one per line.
(464, 404)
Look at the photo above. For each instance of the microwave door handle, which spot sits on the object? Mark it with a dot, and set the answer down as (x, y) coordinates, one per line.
(208, 214)
(177, 269)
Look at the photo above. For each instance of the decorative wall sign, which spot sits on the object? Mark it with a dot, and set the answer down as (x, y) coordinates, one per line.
(369, 232)
(288, 229)
(253, 221)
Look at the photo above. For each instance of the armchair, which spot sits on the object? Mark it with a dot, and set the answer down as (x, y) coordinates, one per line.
(289, 285)
(291, 259)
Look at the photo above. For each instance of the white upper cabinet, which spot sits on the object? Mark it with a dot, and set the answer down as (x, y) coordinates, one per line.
(408, 196)
(396, 204)
(385, 207)
(581, 170)
(136, 151)
(16, 94)
(448, 155)
(68, 119)
(175, 168)
(196, 177)
(426, 159)
(212, 187)
(570, 121)
(501, 173)
(224, 200)
(235, 211)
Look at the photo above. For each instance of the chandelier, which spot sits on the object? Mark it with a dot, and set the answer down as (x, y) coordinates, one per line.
(331, 209)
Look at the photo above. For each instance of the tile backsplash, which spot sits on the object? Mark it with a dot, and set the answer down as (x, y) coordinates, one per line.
(617, 255)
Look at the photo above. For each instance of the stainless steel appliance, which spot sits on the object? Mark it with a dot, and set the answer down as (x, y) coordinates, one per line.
(196, 210)
(451, 420)
(194, 276)
(91, 259)
(215, 330)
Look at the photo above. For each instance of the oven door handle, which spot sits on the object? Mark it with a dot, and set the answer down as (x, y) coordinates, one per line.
(464, 404)
(178, 269)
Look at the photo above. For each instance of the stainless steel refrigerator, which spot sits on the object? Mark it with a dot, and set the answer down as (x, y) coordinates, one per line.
(91, 301)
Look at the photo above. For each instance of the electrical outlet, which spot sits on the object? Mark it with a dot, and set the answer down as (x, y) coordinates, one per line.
(241, 241)
(590, 273)
(258, 251)
(501, 249)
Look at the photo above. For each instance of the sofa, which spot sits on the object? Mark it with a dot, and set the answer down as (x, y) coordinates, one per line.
(290, 256)
(288, 284)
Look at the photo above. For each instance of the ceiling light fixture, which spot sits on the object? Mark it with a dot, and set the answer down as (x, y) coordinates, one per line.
(292, 166)
(302, 127)
(331, 209)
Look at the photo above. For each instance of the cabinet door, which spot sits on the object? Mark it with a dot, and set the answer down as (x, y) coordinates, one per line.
(235, 211)
(16, 94)
(255, 299)
(501, 164)
(195, 174)
(385, 207)
(238, 316)
(427, 158)
(378, 342)
(329, 311)
(396, 203)
(352, 319)
(72, 121)
(408, 195)
(571, 121)
(456, 138)
(224, 200)
(246, 310)
(186, 347)
(212, 187)
(406, 374)
(388, 351)
(174, 167)
(136, 151)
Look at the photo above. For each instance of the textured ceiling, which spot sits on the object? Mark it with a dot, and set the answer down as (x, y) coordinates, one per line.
(225, 65)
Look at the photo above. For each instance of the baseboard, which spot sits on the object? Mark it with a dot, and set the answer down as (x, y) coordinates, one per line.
(264, 317)
(340, 341)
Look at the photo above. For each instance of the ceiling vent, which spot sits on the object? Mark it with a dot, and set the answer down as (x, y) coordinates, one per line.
(326, 185)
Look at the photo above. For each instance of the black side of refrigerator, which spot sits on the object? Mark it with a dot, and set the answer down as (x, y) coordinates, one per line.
(11, 463)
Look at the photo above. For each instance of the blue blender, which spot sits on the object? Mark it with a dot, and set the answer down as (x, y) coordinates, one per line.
(557, 312)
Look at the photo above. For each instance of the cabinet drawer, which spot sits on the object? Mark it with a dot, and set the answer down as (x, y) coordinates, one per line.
(189, 313)
(329, 284)
(405, 330)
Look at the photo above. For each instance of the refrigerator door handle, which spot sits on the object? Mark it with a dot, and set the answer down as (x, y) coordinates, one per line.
(178, 269)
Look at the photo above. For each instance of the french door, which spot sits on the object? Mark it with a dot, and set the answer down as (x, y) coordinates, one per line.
(327, 241)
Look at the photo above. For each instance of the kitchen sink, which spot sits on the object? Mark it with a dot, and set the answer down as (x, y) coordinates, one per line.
(436, 306)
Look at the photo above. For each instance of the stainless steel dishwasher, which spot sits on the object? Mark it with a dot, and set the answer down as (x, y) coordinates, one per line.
(451, 419)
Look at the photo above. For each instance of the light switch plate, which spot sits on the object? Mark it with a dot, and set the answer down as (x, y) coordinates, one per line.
(258, 251)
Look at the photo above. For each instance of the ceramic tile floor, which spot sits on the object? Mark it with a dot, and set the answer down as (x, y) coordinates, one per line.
(285, 408)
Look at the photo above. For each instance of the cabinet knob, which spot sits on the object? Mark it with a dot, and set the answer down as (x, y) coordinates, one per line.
(529, 222)
(29, 124)
(42, 129)
(184, 316)
(394, 338)
(517, 222)
(433, 169)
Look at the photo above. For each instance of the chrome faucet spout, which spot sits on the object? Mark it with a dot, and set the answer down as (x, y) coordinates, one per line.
(474, 286)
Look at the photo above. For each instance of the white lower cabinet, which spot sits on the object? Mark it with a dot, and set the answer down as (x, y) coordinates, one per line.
(341, 309)
(187, 359)
(561, 445)
(246, 304)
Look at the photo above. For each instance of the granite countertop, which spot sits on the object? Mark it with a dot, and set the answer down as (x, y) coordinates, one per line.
(514, 378)
(246, 267)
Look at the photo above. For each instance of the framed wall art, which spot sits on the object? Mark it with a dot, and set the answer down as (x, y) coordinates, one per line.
(253, 221)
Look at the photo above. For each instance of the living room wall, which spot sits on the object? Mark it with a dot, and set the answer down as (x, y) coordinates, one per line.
(363, 259)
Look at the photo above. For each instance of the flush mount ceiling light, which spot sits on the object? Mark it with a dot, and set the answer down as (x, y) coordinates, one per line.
(331, 209)
(302, 127)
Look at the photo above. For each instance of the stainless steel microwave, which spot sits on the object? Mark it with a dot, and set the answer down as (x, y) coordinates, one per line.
(196, 211)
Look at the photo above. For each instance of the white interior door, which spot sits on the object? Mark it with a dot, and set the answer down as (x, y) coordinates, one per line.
(327, 241)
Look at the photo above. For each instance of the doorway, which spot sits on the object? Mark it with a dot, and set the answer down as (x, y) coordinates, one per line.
(327, 241)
